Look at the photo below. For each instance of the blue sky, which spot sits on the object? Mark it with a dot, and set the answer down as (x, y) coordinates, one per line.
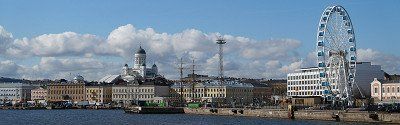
(375, 22)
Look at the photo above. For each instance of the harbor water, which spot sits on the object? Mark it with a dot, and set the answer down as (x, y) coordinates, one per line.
(118, 117)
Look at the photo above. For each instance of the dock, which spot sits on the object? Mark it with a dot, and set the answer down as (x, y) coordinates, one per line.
(155, 110)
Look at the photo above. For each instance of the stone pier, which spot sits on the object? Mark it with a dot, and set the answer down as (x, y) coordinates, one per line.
(331, 115)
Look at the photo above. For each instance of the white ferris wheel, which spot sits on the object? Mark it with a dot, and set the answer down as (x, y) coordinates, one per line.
(336, 55)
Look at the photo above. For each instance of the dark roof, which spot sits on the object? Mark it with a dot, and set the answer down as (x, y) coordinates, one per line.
(4, 79)
(259, 85)
(140, 51)
(393, 77)
(274, 81)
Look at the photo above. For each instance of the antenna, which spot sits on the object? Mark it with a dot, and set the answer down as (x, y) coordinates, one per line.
(221, 41)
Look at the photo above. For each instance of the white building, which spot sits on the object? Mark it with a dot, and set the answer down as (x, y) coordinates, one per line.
(306, 82)
(132, 93)
(15, 92)
(139, 69)
(385, 91)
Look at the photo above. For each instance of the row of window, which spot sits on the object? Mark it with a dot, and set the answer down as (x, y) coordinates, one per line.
(387, 90)
(303, 82)
(39, 92)
(309, 93)
(66, 87)
(96, 91)
(303, 77)
(60, 92)
(8, 90)
(40, 97)
(62, 98)
(133, 90)
(9, 94)
(132, 96)
(304, 87)
(213, 90)
(392, 97)
(100, 96)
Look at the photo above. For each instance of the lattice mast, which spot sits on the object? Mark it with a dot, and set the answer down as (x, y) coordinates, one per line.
(221, 41)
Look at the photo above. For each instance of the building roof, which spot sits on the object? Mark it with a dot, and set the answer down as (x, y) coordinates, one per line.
(109, 78)
(12, 85)
(140, 51)
(259, 85)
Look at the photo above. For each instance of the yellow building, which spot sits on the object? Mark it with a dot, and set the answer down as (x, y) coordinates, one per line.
(231, 92)
(67, 91)
(99, 94)
(38, 94)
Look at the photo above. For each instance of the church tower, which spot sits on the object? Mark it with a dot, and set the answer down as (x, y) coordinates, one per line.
(140, 58)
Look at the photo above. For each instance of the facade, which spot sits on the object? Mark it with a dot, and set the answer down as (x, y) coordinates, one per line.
(67, 91)
(15, 92)
(38, 94)
(232, 92)
(133, 93)
(306, 82)
(385, 91)
(261, 92)
(139, 69)
(99, 94)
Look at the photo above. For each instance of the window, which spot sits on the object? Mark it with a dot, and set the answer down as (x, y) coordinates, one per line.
(398, 89)
(375, 90)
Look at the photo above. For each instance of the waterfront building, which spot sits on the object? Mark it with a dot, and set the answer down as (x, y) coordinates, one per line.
(139, 69)
(262, 93)
(305, 82)
(278, 89)
(134, 93)
(38, 94)
(230, 93)
(15, 92)
(67, 91)
(99, 94)
(385, 91)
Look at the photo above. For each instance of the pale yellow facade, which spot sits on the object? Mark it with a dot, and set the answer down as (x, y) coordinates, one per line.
(74, 92)
(38, 94)
(241, 94)
(99, 94)
(387, 92)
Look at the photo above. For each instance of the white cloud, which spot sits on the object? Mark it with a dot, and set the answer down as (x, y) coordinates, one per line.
(9, 68)
(5, 39)
(390, 63)
(69, 52)
(64, 44)
(244, 57)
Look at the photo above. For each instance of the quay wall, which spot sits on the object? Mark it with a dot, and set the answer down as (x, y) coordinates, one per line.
(350, 116)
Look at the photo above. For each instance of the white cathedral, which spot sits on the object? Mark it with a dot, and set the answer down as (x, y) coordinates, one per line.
(139, 69)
